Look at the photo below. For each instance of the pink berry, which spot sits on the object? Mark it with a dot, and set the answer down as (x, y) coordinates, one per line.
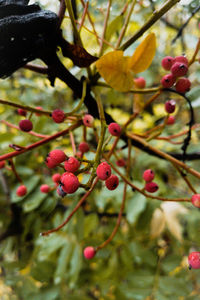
(179, 69)
(58, 115)
(71, 164)
(103, 171)
(170, 106)
(21, 190)
(167, 62)
(151, 187)
(2, 164)
(182, 59)
(140, 82)
(168, 80)
(79, 154)
(39, 108)
(148, 175)
(69, 183)
(56, 177)
(50, 163)
(183, 85)
(22, 112)
(58, 155)
(45, 188)
(194, 260)
(60, 191)
(83, 147)
(112, 182)
(121, 162)
(170, 120)
(88, 120)
(89, 252)
(196, 200)
(26, 125)
(114, 129)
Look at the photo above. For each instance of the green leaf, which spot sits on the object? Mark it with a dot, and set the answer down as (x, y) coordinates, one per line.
(63, 260)
(135, 206)
(33, 201)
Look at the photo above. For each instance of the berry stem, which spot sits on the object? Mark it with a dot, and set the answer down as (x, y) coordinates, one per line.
(15, 171)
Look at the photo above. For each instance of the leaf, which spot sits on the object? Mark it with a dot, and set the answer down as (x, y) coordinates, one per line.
(115, 25)
(157, 223)
(135, 206)
(33, 201)
(143, 54)
(114, 68)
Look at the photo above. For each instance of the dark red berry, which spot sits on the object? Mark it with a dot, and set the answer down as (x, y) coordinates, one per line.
(71, 164)
(183, 85)
(151, 187)
(83, 147)
(60, 191)
(2, 164)
(114, 129)
(168, 80)
(148, 175)
(182, 59)
(58, 115)
(196, 200)
(22, 112)
(179, 69)
(170, 106)
(88, 120)
(170, 120)
(140, 82)
(103, 171)
(26, 125)
(121, 162)
(21, 190)
(89, 252)
(194, 260)
(69, 183)
(45, 188)
(112, 182)
(56, 177)
(167, 62)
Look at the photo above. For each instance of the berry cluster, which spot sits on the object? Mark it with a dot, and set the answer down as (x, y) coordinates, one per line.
(179, 68)
(150, 186)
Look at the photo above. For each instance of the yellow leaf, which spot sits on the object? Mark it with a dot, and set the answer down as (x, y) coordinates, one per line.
(114, 68)
(143, 54)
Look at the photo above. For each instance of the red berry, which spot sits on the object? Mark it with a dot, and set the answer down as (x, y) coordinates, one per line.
(88, 120)
(196, 200)
(167, 62)
(45, 188)
(60, 191)
(22, 112)
(79, 154)
(50, 163)
(89, 252)
(194, 260)
(114, 129)
(112, 182)
(56, 177)
(2, 164)
(182, 59)
(121, 162)
(103, 171)
(26, 125)
(69, 183)
(57, 155)
(71, 164)
(183, 85)
(39, 108)
(83, 147)
(21, 190)
(151, 187)
(170, 120)
(148, 175)
(58, 115)
(170, 106)
(168, 80)
(140, 82)
(179, 69)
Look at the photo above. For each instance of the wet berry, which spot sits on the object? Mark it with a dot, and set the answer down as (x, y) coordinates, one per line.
(168, 80)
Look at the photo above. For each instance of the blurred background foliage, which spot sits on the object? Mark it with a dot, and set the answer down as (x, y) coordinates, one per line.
(148, 257)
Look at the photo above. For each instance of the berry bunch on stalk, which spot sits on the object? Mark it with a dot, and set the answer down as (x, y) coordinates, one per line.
(116, 160)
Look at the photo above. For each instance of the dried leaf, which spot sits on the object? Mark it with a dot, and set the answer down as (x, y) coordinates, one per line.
(157, 223)
(143, 54)
(113, 67)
